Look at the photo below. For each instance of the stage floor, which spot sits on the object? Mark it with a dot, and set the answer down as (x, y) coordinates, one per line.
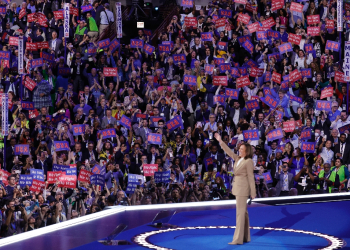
(300, 222)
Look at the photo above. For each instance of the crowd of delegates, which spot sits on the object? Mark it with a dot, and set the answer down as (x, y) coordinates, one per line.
(152, 85)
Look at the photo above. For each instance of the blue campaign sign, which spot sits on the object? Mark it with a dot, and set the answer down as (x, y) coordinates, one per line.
(61, 145)
(269, 101)
(221, 45)
(254, 104)
(219, 99)
(21, 149)
(267, 91)
(97, 179)
(219, 61)
(36, 172)
(306, 134)
(233, 93)
(173, 124)
(261, 35)
(108, 133)
(136, 43)
(133, 181)
(306, 73)
(48, 57)
(308, 147)
(78, 129)
(242, 39)
(71, 171)
(104, 43)
(57, 167)
(97, 169)
(164, 48)
(275, 134)
(295, 99)
(284, 48)
(27, 105)
(25, 180)
(179, 58)
(248, 46)
(235, 72)
(190, 80)
(344, 128)
(224, 67)
(206, 36)
(208, 161)
(37, 62)
(114, 45)
(243, 71)
(149, 49)
(179, 119)
(251, 135)
(154, 138)
(125, 121)
(324, 105)
(225, 13)
(252, 64)
(268, 178)
(162, 177)
(273, 34)
(86, 8)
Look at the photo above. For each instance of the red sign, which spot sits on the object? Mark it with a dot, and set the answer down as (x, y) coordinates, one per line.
(68, 181)
(253, 27)
(4, 175)
(29, 84)
(256, 72)
(149, 169)
(33, 113)
(242, 81)
(289, 126)
(84, 175)
(191, 22)
(220, 80)
(32, 17)
(296, 7)
(221, 22)
(36, 185)
(339, 77)
(268, 23)
(244, 18)
(22, 13)
(276, 77)
(42, 45)
(58, 14)
(330, 24)
(53, 176)
(110, 71)
(298, 123)
(294, 38)
(277, 4)
(13, 40)
(327, 92)
(295, 76)
(313, 19)
(31, 46)
(313, 31)
(73, 11)
(241, 1)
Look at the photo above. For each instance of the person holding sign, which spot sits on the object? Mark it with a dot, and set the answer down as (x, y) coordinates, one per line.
(243, 186)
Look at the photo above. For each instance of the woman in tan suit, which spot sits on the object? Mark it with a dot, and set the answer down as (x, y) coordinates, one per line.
(243, 186)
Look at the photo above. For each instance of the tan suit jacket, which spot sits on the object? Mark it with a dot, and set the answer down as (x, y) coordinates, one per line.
(244, 181)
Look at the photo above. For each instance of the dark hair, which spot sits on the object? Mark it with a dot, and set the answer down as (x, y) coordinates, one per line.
(248, 150)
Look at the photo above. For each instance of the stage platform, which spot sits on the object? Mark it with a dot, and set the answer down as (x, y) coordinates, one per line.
(299, 222)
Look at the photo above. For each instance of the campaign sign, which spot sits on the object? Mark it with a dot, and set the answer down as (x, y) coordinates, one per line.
(253, 27)
(267, 91)
(276, 55)
(277, 4)
(276, 77)
(289, 126)
(78, 129)
(105, 44)
(110, 72)
(306, 134)
(173, 124)
(219, 61)
(313, 19)
(68, 181)
(149, 49)
(13, 40)
(248, 46)
(64, 71)
(306, 73)
(308, 147)
(71, 171)
(313, 31)
(3, 10)
(38, 174)
(233, 93)
(219, 22)
(206, 36)
(27, 105)
(31, 46)
(164, 48)
(36, 185)
(208, 161)
(295, 76)
(190, 80)
(219, 99)
(187, 3)
(133, 181)
(125, 121)
(270, 101)
(251, 63)
(153, 138)
(295, 99)
(331, 45)
(294, 38)
(344, 128)
(209, 68)
(149, 169)
(224, 67)
(268, 178)
(309, 48)
(267, 77)
(273, 34)
(241, 1)
(86, 8)
(179, 58)
(327, 92)
(330, 24)
(235, 72)
(21, 149)
(253, 104)
(37, 62)
(242, 81)
(136, 43)
(275, 134)
(53, 177)
(251, 135)
(59, 168)
(242, 39)
(61, 145)
(225, 13)
(162, 177)
(243, 71)
(84, 175)
(220, 80)
(25, 180)
(74, 11)
(244, 18)
(297, 7)
(108, 133)
(339, 77)
(324, 105)
(190, 22)
(48, 57)
(221, 45)
(114, 45)
(268, 23)
(284, 48)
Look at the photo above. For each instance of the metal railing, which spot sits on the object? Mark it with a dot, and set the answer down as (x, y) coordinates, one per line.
(110, 33)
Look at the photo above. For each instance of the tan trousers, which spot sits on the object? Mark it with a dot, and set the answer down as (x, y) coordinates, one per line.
(93, 35)
(102, 28)
(242, 232)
